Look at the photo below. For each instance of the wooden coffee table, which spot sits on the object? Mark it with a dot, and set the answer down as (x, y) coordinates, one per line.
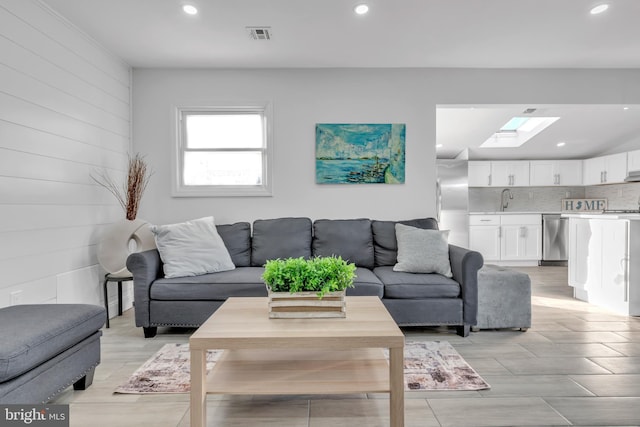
(298, 356)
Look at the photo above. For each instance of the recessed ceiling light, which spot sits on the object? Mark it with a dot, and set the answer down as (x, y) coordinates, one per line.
(599, 9)
(189, 9)
(438, 145)
(561, 144)
(361, 9)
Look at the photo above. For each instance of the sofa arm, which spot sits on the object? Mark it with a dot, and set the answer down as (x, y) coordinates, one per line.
(465, 264)
(145, 267)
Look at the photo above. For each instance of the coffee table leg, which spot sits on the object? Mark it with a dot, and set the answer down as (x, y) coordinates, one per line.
(396, 386)
(198, 388)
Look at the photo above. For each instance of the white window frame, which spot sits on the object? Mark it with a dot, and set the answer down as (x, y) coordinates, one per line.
(179, 189)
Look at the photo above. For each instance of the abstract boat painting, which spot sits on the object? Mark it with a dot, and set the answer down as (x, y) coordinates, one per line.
(360, 153)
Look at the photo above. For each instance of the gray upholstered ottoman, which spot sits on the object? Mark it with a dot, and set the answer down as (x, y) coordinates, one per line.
(45, 348)
(504, 299)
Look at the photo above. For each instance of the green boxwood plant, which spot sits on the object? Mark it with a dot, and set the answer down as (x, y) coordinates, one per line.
(319, 274)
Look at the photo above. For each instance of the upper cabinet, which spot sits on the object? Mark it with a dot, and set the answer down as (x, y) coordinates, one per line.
(609, 169)
(633, 161)
(508, 173)
(479, 174)
(544, 173)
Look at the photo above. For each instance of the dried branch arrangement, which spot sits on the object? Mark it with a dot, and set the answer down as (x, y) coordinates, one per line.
(130, 192)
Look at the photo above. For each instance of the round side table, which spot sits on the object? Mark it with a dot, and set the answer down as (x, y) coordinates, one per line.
(109, 277)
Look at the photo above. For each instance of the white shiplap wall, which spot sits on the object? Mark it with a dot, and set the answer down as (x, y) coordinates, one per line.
(64, 113)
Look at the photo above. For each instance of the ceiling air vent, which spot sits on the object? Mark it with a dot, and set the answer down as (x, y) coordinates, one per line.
(529, 111)
(259, 33)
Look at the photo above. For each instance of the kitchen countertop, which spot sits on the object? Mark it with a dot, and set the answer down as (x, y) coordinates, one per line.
(513, 213)
(593, 215)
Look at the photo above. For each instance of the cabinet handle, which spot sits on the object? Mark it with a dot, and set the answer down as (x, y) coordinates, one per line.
(523, 231)
(489, 179)
(485, 220)
(499, 231)
(605, 176)
(601, 177)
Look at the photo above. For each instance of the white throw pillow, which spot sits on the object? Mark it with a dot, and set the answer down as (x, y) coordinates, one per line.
(191, 248)
(422, 251)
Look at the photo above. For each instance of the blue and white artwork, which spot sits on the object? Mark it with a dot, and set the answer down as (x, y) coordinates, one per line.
(360, 153)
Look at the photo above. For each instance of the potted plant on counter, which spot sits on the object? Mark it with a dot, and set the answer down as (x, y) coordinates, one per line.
(300, 288)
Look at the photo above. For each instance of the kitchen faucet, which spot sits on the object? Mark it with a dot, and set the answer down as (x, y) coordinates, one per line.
(504, 203)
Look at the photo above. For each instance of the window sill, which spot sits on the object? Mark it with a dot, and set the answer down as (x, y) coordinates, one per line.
(205, 191)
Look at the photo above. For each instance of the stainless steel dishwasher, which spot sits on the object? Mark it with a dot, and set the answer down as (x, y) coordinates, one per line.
(555, 239)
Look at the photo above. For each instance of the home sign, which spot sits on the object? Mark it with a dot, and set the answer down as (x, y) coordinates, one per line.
(584, 205)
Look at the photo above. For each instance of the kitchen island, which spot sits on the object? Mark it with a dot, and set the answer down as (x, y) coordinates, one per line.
(604, 250)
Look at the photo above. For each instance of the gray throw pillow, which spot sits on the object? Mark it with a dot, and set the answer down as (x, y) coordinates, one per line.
(191, 248)
(422, 251)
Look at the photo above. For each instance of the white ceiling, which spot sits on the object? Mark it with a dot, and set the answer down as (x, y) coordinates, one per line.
(587, 130)
(395, 33)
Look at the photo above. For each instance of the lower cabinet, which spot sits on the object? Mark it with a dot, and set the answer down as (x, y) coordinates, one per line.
(507, 239)
(486, 240)
(521, 242)
(599, 267)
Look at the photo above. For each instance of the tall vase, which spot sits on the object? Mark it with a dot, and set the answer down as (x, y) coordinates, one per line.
(121, 239)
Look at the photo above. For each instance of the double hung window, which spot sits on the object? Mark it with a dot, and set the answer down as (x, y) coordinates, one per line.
(223, 151)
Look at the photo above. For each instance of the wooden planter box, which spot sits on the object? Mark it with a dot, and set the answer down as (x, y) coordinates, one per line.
(304, 305)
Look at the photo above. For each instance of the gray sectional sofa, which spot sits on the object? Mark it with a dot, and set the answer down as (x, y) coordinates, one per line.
(413, 299)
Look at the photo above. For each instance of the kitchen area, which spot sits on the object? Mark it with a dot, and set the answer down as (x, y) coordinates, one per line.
(522, 220)
(547, 186)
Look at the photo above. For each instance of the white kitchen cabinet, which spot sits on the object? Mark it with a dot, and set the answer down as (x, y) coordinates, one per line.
(609, 169)
(510, 173)
(507, 239)
(479, 174)
(555, 172)
(599, 268)
(486, 240)
(521, 242)
(633, 161)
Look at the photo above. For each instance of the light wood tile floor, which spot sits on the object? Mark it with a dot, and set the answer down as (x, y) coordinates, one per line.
(577, 365)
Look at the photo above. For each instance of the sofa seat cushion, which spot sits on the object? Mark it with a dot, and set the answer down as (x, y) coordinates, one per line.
(403, 285)
(33, 334)
(366, 284)
(280, 238)
(241, 282)
(384, 238)
(350, 239)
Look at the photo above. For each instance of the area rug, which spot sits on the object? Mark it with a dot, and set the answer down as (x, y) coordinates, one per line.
(433, 365)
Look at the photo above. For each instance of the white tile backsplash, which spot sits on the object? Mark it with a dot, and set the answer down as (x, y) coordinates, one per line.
(619, 196)
(525, 199)
(549, 199)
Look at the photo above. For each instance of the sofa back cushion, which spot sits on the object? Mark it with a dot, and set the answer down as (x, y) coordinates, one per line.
(280, 238)
(384, 238)
(237, 239)
(349, 238)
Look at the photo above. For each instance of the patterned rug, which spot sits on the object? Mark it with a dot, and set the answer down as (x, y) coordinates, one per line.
(433, 365)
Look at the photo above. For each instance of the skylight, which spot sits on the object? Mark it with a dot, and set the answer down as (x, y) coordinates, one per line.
(517, 131)
(514, 124)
